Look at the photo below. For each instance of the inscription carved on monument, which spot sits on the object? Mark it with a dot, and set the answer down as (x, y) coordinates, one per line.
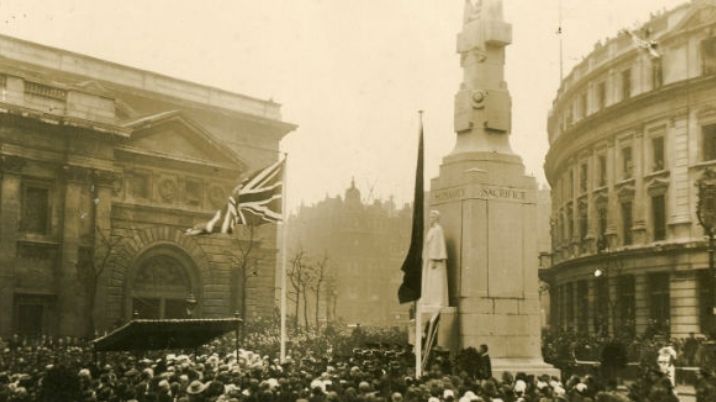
(479, 192)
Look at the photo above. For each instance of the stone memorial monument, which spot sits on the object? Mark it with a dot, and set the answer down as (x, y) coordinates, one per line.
(488, 207)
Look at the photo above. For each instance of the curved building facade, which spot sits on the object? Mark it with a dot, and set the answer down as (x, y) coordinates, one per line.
(631, 130)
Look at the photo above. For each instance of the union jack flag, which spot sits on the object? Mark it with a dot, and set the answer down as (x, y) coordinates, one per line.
(257, 200)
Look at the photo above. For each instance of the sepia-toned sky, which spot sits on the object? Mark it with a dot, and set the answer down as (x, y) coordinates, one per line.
(351, 73)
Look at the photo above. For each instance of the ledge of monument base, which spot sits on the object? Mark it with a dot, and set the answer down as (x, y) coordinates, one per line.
(516, 365)
(482, 156)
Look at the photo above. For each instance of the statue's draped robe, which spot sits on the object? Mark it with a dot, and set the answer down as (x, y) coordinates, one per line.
(434, 286)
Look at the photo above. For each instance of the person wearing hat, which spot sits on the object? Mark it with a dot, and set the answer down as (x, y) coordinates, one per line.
(195, 390)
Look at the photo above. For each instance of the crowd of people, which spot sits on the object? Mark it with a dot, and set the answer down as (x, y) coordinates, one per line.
(47, 369)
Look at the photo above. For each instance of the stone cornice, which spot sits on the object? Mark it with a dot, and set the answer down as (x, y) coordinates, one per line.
(593, 124)
(68, 62)
(12, 163)
(656, 248)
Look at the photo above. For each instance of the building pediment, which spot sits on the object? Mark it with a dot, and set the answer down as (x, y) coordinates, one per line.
(699, 15)
(171, 135)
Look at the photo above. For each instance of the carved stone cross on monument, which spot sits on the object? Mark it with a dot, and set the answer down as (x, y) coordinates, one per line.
(483, 104)
(488, 209)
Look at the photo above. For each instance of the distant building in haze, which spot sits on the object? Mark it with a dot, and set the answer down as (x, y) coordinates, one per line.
(364, 245)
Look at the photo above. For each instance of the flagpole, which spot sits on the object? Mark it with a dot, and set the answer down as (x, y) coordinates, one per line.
(418, 341)
(418, 309)
(284, 258)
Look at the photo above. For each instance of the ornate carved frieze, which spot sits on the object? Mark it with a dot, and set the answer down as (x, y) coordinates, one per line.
(12, 164)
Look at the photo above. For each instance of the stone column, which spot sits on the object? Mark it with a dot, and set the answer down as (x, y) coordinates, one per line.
(641, 198)
(574, 324)
(591, 303)
(613, 295)
(10, 191)
(613, 199)
(641, 302)
(684, 294)
(70, 293)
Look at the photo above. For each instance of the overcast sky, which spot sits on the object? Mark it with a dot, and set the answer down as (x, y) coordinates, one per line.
(351, 73)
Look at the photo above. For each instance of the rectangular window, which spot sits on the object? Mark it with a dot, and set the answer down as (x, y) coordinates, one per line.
(571, 183)
(708, 56)
(658, 211)
(583, 173)
(601, 95)
(602, 164)
(583, 105)
(709, 137)
(34, 314)
(627, 164)
(570, 224)
(659, 303)
(626, 222)
(657, 152)
(602, 221)
(657, 75)
(626, 300)
(583, 222)
(35, 210)
(626, 84)
(583, 307)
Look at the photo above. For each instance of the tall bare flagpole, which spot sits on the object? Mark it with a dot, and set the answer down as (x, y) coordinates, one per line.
(418, 311)
(284, 258)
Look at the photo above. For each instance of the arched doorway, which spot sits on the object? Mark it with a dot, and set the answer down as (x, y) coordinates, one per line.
(161, 286)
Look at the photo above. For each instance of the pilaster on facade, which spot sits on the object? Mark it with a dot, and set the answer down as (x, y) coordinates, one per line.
(613, 296)
(9, 224)
(684, 301)
(68, 289)
(592, 309)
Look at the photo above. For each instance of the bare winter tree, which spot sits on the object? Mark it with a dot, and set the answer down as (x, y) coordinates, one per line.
(296, 277)
(90, 268)
(331, 289)
(245, 261)
(319, 277)
(307, 283)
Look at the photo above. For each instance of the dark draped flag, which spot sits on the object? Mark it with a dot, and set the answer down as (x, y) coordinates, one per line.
(410, 289)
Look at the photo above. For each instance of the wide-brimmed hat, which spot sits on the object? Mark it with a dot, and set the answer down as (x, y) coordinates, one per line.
(196, 387)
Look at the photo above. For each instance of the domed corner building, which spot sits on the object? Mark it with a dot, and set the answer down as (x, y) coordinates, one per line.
(631, 131)
(97, 156)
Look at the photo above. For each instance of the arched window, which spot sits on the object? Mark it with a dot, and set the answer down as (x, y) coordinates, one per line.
(160, 288)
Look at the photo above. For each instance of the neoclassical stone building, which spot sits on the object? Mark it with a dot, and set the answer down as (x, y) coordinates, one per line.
(630, 133)
(93, 153)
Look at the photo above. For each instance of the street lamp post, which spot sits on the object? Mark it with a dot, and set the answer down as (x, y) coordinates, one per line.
(191, 303)
(706, 213)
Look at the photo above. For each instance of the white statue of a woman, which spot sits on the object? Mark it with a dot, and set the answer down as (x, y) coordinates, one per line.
(434, 287)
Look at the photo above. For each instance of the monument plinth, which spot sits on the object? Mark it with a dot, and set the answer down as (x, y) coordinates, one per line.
(488, 206)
